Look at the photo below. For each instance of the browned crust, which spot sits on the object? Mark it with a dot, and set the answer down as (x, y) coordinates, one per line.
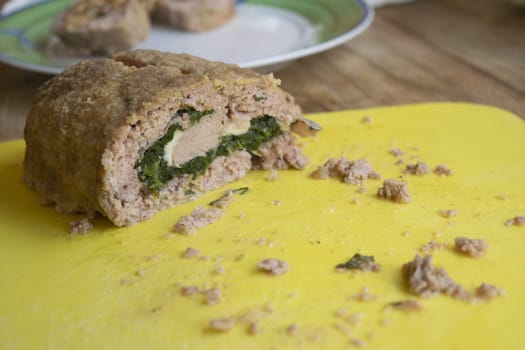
(88, 125)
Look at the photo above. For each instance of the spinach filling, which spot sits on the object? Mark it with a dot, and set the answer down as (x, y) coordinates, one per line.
(154, 171)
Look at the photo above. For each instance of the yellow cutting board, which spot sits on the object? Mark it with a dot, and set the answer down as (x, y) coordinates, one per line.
(120, 288)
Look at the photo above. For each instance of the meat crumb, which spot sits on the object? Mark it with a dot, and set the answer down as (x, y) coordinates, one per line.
(198, 218)
(425, 279)
(292, 329)
(340, 312)
(361, 188)
(213, 296)
(350, 171)
(364, 295)
(442, 170)
(273, 266)
(396, 152)
(191, 253)
(366, 120)
(356, 200)
(190, 290)
(431, 247)
(488, 292)
(360, 262)
(448, 213)
(253, 328)
(81, 226)
(395, 191)
(222, 324)
(473, 247)
(358, 343)
(406, 305)
(272, 176)
(419, 169)
(154, 257)
(354, 319)
(516, 221)
(276, 202)
(261, 241)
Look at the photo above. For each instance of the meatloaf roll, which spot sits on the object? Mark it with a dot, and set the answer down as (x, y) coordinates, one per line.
(145, 130)
(102, 26)
(194, 15)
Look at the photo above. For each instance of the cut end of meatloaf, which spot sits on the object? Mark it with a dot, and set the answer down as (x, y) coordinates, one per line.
(91, 27)
(144, 131)
(194, 16)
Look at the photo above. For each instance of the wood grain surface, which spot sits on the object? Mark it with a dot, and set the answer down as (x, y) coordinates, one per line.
(424, 51)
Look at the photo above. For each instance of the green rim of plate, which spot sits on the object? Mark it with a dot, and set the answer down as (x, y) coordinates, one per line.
(24, 33)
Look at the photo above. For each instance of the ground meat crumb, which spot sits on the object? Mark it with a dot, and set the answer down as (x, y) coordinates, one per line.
(354, 319)
(419, 169)
(261, 241)
(292, 329)
(395, 191)
(364, 295)
(253, 328)
(198, 218)
(81, 226)
(396, 152)
(361, 188)
(488, 292)
(273, 266)
(213, 296)
(516, 221)
(358, 343)
(406, 305)
(366, 120)
(448, 213)
(473, 247)
(353, 172)
(442, 170)
(222, 324)
(191, 253)
(190, 290)
(360, 262)
(272, 176)
(425, 279)
(276, 202)
(431, 247)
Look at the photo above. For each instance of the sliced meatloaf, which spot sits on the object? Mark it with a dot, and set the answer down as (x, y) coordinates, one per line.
(102, 27)
(194, 15)
(145, 130)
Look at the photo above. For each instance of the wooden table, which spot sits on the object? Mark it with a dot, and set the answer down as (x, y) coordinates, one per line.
(428, 50)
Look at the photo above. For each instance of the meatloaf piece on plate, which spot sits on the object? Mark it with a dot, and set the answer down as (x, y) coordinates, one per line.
(104, 27)
(145, 130)
(194, 15)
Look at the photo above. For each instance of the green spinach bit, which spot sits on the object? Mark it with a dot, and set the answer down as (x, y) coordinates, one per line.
(360, 262)
(194, 115)
(155, 172)
(218, 202)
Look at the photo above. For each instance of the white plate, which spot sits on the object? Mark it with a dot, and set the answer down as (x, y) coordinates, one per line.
(264, 34)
